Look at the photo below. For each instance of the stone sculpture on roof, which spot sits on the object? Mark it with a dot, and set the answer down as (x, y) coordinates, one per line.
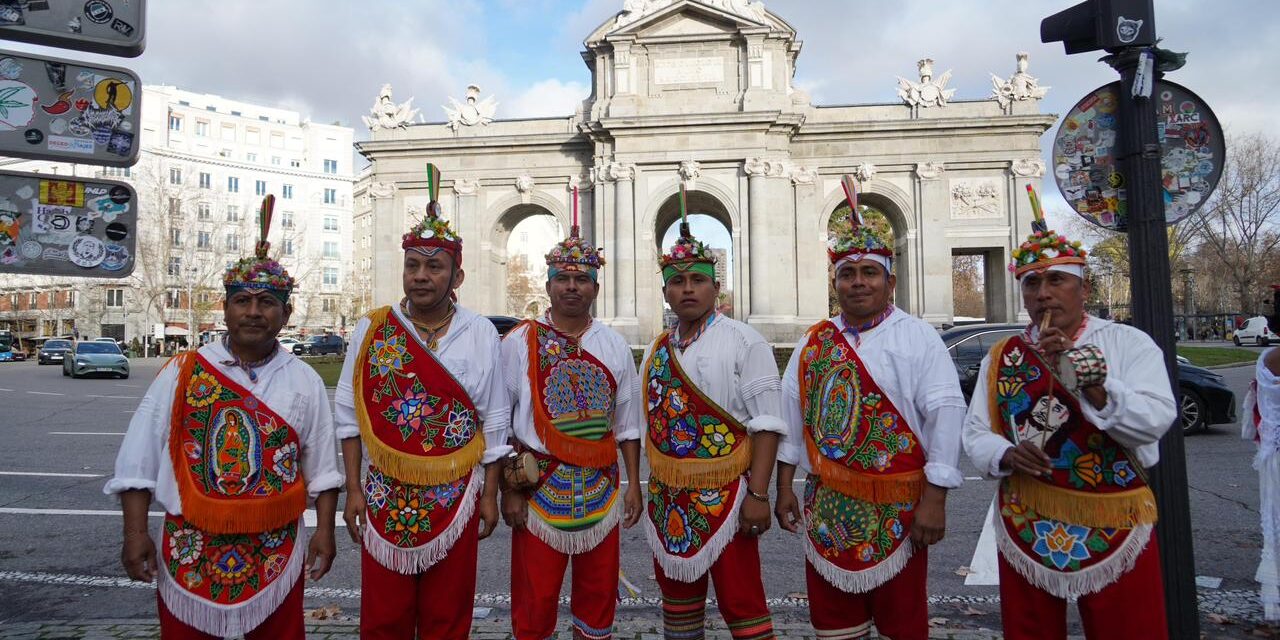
(386, 114)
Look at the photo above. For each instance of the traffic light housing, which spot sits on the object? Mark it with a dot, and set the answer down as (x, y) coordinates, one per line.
(1102, 24)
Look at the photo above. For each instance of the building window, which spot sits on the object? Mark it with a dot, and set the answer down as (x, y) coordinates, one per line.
(204, 240)
(175, 207)
(233, 213)
(328, 305)
(71, 299)
(206, 180)
(115, 298)
(175, 266)
(275, 160)
(330, 166)
(286, 220)
(331, 223)
(33, 301)
(202, 128)
(330, 276)
(330, 196)
(173, 299)
(175, 237)
(225, 153)
(116, 172)
(229, 132)
(330, 249)
(251, 157)
(175, 175)
(233, 184)
(175, 123)
(288, 246)
(286, 192)
(296, 164)
(252, 136)
(203, 211)
(260, 187)
(233, 242)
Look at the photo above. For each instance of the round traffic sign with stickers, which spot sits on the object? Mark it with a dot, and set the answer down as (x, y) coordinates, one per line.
(1087, 170)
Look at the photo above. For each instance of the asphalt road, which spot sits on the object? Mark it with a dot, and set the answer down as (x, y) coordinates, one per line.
(59, 559)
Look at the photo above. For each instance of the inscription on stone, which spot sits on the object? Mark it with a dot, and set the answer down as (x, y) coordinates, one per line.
(688, 71)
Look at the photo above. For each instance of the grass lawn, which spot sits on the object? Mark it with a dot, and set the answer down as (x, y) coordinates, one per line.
(1212, 356)
(328, 368)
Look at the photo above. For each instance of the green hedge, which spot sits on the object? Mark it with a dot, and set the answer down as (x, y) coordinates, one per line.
(781, 354)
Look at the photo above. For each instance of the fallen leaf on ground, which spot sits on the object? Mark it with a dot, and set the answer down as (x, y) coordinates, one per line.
(970, 611)
(1218, 618)
(329, 612)
(964, 571)
(938, 622)
(798, 595)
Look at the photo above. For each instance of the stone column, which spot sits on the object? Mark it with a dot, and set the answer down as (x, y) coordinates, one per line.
(810, 247)
(623, 243)
(388, 227)
(771, 248)
(473, 292)
(1028, 171)
(932, 289)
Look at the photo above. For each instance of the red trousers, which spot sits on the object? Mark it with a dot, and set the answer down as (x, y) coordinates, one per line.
(537, 570)
(739, 592)
(899, 607)
(1131, 607)
(436, 603)
(285, 623)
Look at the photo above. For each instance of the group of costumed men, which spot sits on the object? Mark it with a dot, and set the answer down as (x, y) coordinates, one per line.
(434, 414)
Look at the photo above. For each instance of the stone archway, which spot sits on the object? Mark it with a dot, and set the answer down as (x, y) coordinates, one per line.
(878, 210)
(886, 200)
(704, 207)
(494, 283)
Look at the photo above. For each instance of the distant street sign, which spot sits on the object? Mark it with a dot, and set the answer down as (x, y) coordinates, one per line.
(67, 111)
(1088, 169)
(63, 226)
(113, 27)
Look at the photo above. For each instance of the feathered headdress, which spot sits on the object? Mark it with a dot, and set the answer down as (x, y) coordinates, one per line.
(573, 253)
(433, 233)
(861, 242)
(1045, 249)
(258, 271)
(687, 254)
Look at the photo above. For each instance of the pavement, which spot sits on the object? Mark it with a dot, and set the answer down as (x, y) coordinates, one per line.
(59, 560)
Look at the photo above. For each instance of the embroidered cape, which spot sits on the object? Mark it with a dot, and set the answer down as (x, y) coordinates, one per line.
(868, 467)
(1080, 529)
(573, 398)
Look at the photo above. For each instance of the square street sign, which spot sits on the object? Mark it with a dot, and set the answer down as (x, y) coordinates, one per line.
(112, 27)
(54, 225)
(68, 111)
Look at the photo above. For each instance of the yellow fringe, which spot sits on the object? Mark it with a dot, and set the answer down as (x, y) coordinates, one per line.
(596, 454)
(700, 473)
(993, 375)
(406, 467)
(223, 515)
(1123, 510)
(886, 488)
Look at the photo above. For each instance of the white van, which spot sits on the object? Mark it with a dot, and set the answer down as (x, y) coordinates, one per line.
(1255, 331)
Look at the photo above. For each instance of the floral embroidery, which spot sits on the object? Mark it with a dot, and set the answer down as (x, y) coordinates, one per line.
(678, 538)
(718, 440)
(1057, 545)
(408, 412)
(677, 427)
(232, 565)
(203, 390)
(853, 533)
(275, 565)
(1061, 543)
(711, 502)
(185, 546)
(683, 436)
(409, 516)
(285, 462)
(461, 427)
(273, 539)
(1121, 473)
(376, 491)
(685, 519)
(226, 568)
(445, 495)
(388, 356)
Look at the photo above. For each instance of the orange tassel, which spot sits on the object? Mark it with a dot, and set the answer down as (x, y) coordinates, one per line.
(576, 451)
(889, 488)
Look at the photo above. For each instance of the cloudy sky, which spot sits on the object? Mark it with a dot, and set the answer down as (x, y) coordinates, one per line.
(327, 59)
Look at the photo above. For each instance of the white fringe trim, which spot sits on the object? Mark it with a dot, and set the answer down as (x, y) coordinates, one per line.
(419, 559)
(690, 569)
(233, 620)
(858, 581)
(1078, 583)
(575, 542)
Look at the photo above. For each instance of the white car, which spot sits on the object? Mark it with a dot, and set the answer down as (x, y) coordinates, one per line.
(287, 344)
(1255, 331)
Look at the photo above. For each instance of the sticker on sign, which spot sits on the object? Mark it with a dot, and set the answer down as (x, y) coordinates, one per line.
(112, 27)
(49, 227)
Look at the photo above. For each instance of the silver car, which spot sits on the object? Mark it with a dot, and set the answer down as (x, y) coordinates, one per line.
(95, 358)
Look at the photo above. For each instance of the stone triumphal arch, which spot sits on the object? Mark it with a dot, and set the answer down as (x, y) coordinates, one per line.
(699, 93)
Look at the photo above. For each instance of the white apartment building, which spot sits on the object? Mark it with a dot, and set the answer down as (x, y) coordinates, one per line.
(206, 164)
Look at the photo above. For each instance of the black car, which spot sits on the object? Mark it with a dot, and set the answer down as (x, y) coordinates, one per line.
(54, 351)
(321, 345)
(504, 324)
(1203, 397)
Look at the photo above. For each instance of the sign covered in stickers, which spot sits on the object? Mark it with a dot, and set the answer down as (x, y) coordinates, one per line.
(112, 27)
(1192, 151)
(68, 111)
(66, 226)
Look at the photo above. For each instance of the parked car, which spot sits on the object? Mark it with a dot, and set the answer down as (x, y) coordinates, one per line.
(1254, 331)
(504, 324)
(321, 345)
(288, 343)
(54, 351)
(1203, 397)
(95, 357)
(118, 343)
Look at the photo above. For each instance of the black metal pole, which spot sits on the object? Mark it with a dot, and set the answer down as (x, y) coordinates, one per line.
(1152, 308)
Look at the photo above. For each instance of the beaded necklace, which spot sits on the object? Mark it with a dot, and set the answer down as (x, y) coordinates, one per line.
(431, 332)
(247, 367)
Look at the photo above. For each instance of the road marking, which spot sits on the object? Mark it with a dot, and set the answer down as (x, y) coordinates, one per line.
(44, 393)
(115, 397)
(84, 433)
(308, 517)
(6, 389)
(973, 478)
(50, 475)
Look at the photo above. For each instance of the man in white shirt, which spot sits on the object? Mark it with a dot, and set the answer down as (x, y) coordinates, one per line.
(1069, 414)
(713, 421)
(875, 411)
(576, 395)
(1261, 424)
(423, 418)
(233, 441)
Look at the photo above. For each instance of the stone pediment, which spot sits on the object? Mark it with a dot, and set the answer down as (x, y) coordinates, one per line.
(687, 24)
(687, 18)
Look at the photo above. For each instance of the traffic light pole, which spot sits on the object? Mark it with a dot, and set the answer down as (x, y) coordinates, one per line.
(1152, 307)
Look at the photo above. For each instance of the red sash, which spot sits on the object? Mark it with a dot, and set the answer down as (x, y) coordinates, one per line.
(1096, 508)
(868, 467)
(235, 460)
(573, 398)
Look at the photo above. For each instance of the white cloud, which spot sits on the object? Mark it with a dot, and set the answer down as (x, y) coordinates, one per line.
(546, 99)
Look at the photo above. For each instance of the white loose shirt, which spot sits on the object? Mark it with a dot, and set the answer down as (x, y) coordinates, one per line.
(909, 362)
(609, 347)
(1139, 409)
(470, 352)
(733, 366)
(286, 385)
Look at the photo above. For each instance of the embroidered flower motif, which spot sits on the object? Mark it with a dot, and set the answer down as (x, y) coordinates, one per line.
(865, 551)
(446, 494)
(882, 461)
(460, 429)
(274, 566)
(683, 436)
(826, 334)
(410, 411)
(718, 441)
(710, 502)
(894, 526)
(1121, 473)
(274, 539)
(387, 356)
(552, 348)
(677, 402)
(1088, 468)
(233, 565)
(185, 545)
(193, 449)
(904, 443)
(409, 516)
(1060, 543)
(285, 462)
(203, 390)
(678, 537)
(192, 579)
(376, 492)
